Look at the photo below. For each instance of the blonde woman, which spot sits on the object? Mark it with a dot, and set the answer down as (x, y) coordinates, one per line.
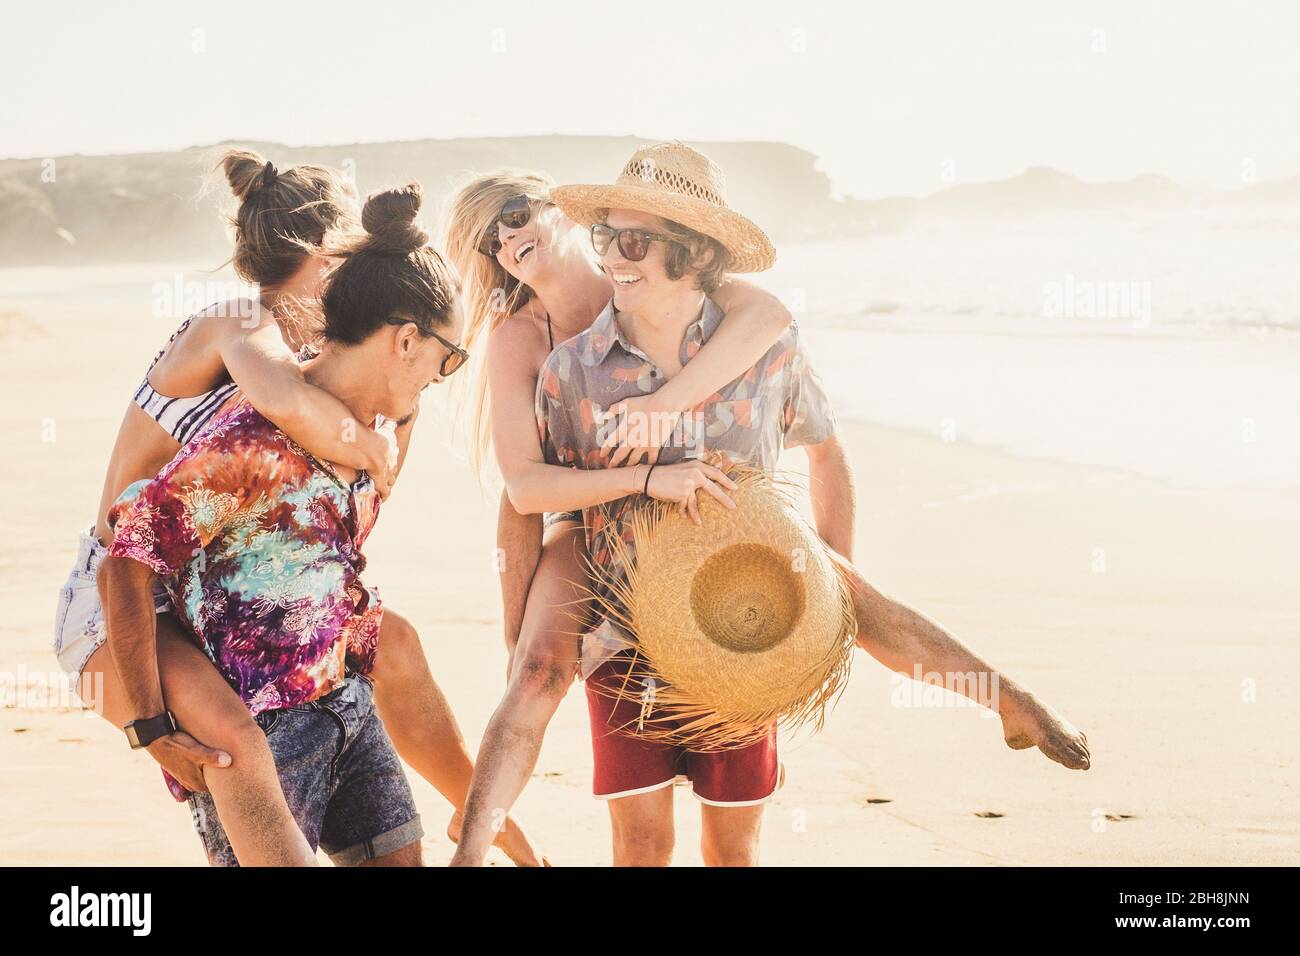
(249, 347)
(666, 236)
(531, 281)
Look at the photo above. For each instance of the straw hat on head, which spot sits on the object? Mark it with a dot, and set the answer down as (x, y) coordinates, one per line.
(678, 183)
(742, 623)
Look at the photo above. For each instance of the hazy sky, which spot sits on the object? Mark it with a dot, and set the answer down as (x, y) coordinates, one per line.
(892, 96)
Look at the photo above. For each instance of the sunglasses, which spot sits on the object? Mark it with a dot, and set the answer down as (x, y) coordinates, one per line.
(455, 357)
(634, 244)
(515, 214)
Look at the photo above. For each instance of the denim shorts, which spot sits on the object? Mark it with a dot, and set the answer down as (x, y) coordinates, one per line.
(79, 619)
(341, 777)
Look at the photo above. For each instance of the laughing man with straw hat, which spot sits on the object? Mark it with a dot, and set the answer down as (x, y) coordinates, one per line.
(700, 613)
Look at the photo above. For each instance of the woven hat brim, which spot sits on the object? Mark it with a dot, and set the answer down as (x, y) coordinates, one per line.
(709, 697)
(749, 247)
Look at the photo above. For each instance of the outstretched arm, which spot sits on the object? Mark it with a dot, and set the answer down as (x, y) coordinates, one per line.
(755, 320)
(267, 372)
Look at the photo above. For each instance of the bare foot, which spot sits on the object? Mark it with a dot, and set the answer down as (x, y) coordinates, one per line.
(1026, 722)
(512, 840)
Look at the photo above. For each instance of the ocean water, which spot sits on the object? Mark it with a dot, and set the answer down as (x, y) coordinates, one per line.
(1181, 270)
(1209, 410)
(1168, 347)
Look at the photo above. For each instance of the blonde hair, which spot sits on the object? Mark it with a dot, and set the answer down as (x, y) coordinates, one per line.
(489, 294)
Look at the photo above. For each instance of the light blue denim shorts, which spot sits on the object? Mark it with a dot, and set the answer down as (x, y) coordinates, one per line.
(79, 619)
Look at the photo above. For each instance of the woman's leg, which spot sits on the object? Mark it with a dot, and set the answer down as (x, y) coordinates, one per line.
(545, 663)
(424, 730)
(248, 796)
(519, 549)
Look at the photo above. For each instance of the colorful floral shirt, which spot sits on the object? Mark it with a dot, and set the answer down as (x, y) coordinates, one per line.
(779, 403)
(258, 545)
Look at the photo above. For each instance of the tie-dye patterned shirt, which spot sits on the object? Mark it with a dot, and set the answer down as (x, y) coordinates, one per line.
(779, 403)
(259, 547)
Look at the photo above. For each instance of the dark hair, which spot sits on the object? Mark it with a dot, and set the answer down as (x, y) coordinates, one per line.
(282, 216)
(692, 248)
(389, 272)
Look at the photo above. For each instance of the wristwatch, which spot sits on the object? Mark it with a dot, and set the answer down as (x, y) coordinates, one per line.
(145, 730)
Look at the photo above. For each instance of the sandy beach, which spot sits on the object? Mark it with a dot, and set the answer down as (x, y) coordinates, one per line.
(1161, 620)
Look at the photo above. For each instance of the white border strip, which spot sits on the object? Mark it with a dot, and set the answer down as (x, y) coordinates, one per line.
(737, 803)
(640, 790)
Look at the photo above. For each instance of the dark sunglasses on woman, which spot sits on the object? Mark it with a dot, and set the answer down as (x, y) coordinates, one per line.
(515, 214)
(634, 244)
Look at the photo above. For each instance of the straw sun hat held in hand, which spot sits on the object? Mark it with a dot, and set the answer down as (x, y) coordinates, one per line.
(742, 622)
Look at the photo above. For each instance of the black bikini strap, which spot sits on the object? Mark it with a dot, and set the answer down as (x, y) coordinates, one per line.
(549, 337)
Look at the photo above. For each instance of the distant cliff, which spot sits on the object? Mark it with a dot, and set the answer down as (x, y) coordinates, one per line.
(147, 206)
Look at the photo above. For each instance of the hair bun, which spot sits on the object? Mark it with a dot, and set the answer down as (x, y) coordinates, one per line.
(244, 170)
(389, 218)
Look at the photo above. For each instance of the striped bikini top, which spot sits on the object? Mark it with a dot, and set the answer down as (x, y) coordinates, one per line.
(181, 417)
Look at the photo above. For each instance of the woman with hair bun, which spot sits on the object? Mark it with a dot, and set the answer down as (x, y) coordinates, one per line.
(245, 351)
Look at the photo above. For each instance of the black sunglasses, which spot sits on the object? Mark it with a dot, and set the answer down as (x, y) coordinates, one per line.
(634, 244)
(454, 358)
(515, 214)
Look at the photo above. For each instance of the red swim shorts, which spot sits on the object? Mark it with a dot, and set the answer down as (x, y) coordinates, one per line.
(626, 765)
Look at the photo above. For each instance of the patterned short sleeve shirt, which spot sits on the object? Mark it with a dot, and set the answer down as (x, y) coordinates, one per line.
(258, 545)
(779, 403)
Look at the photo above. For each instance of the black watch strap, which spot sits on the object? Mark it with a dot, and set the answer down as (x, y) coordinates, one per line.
(143, 732)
